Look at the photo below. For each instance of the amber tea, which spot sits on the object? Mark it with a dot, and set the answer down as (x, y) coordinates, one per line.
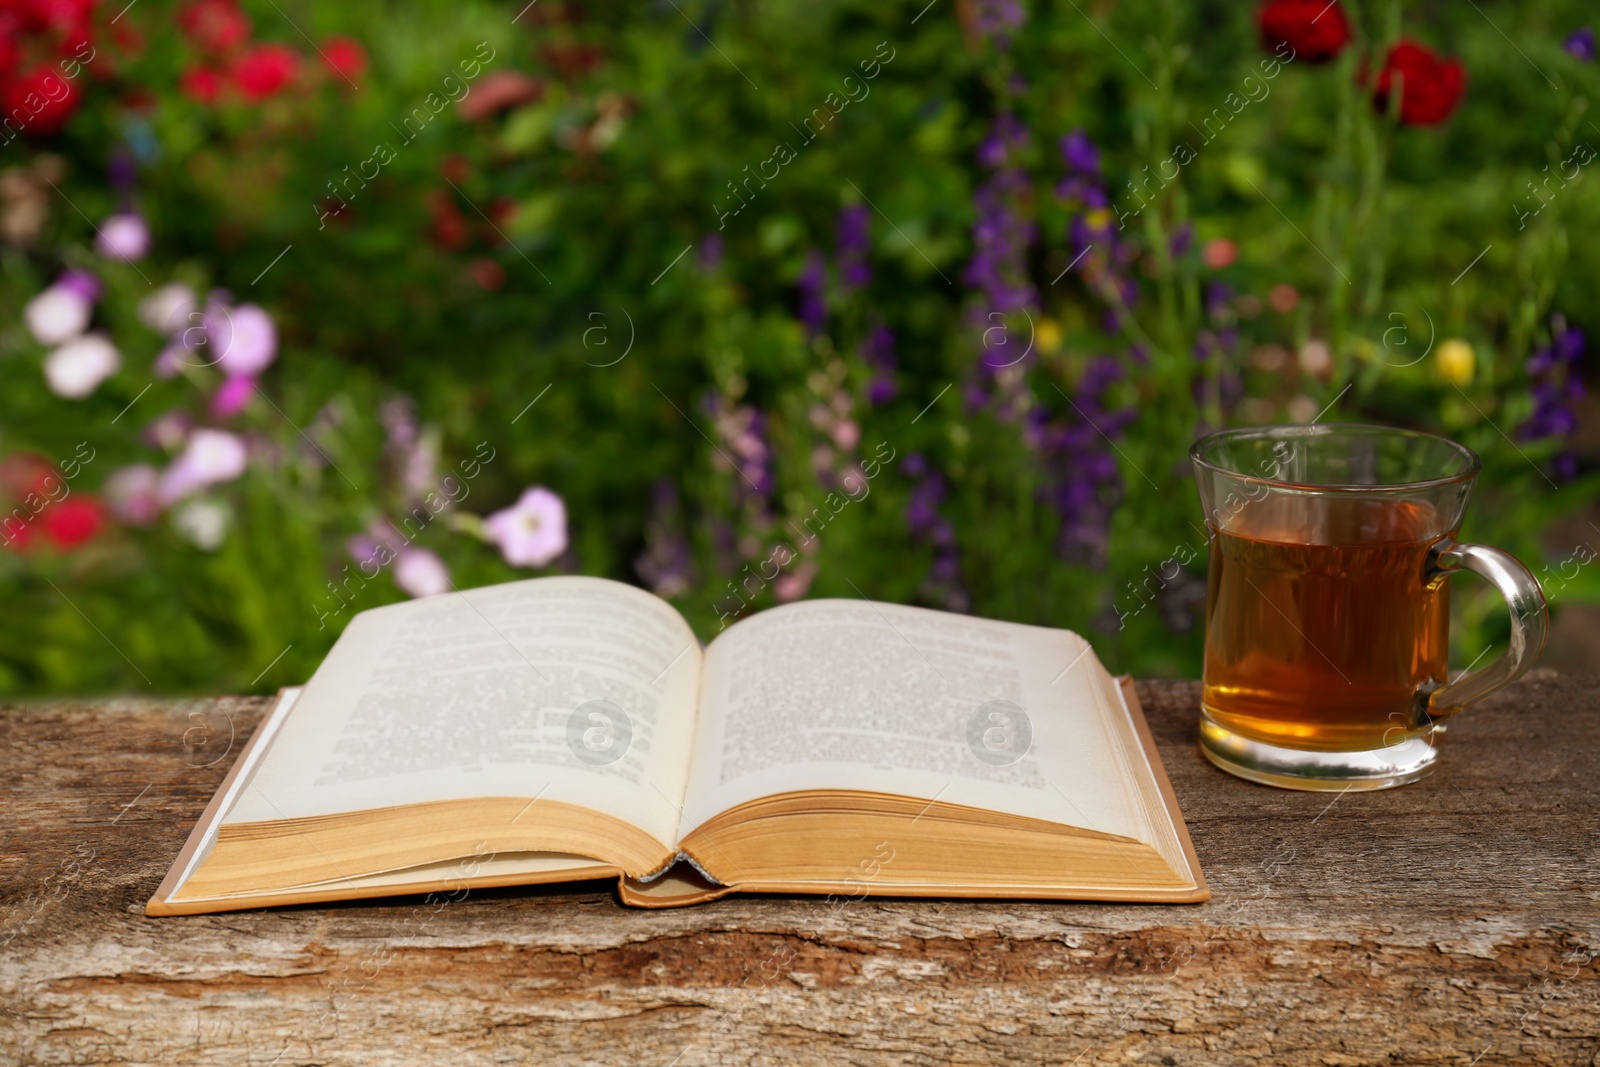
(1328, 607)
(1323, 644)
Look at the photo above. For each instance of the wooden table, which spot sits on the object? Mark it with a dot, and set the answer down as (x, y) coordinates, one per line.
(1455, 921)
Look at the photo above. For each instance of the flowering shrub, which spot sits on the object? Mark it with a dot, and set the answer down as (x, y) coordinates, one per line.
(309, 309)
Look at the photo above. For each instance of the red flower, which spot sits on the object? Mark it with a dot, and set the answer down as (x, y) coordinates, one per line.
(39, 101)
(201, 85)
(449, 225)
(1316, 30)
(345, 57)
(1430, 87)
(215, 25)
(73, 521)
(264, 70)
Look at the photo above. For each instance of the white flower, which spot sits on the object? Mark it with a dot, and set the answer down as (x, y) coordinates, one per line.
(124, 236)
(531, 532)
(212, 456)
(203, 523)
(168, 310)
(58, 314)
(241, 341)
(77, 368)
(419, 573)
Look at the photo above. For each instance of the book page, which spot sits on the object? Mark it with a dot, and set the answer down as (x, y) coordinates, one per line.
(842, 694)
(574, 689)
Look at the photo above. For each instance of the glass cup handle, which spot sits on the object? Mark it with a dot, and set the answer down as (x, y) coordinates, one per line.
(1530, 620)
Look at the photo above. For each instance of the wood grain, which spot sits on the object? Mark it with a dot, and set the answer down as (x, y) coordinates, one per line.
(1455, 921)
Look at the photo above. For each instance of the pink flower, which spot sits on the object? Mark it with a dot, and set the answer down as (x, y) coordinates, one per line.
(125, 236)
(419, 573)
(240, 341)
(232, 397)
(131, 493)
(212, 456)
(531, 532)
(77, 368)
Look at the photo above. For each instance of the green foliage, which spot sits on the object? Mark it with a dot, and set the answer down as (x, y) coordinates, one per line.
(510, 260)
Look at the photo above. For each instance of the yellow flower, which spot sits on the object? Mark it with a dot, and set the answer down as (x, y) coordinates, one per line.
(1049, 336)
(1457, 363)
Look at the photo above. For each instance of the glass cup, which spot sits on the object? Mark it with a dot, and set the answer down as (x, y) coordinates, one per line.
(1328, 603)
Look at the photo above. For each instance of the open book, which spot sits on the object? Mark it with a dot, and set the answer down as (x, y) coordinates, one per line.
(569, 728)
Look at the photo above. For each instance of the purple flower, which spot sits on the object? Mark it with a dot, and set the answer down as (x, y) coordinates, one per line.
(419, 573)
(1581, 44)
(1182, 239)
(124, 236)
(711, 250)
(1556, 389)
(854, 245)
(667, 563)
(994, 18)
(533, 531)
(1080, 153)
(812, 282)
(877, 352)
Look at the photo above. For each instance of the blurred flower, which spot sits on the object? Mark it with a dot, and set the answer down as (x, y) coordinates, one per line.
(1456, 361)
(498, 91)
(131, 492)
(489, 275)
(203, 523)
(1431, 87)
(1315, 29)
(531, 532)
(1556, 390)
(1048, 336)
(1003, 232)
(211, 457)
(233, 397)
(77, 368)
(667, 563)
(1219, 253)
(854, 245)
(58, 314)
(264, 71)
(201, 84)
(241, 341)
(73, 521)
(994, 18)
(345, 57)
(711, 251)
(125, 236)
(39, 101)
(1581, 44)
(168, 309)
(419, 572)
(877, 352)
(214, 25)
(813, 300)
(1080, 153)
(1283, 298)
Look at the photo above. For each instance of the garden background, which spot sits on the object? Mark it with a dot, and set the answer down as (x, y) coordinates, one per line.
(308, 308)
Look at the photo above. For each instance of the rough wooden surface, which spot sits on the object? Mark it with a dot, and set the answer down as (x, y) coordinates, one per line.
(1455, 921)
